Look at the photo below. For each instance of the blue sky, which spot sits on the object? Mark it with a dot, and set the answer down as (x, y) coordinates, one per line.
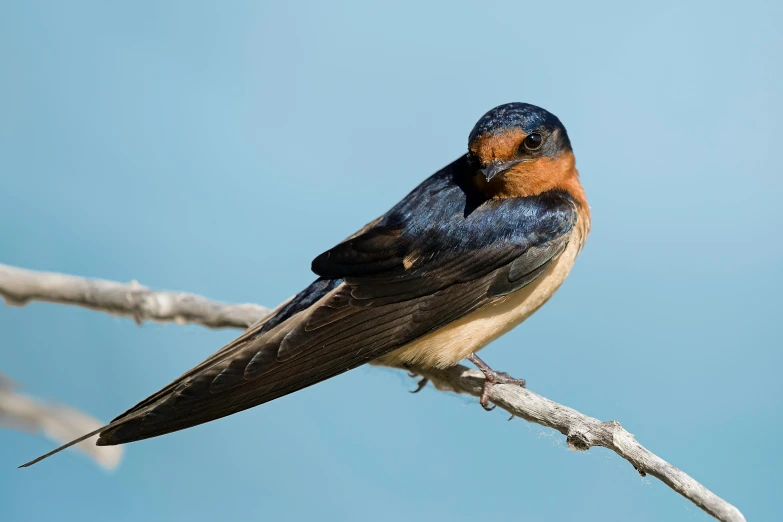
(218, 149)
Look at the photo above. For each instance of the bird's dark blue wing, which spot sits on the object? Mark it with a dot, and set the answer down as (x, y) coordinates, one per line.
(436, 237)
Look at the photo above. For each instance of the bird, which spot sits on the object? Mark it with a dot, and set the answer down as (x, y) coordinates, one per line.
(466, 256)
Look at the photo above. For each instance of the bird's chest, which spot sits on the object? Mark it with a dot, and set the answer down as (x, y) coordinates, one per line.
(449, 345)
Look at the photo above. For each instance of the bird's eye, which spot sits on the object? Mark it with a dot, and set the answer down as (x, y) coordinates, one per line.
(533, 142)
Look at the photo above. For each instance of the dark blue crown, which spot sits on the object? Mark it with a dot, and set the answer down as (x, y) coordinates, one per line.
(523, 116)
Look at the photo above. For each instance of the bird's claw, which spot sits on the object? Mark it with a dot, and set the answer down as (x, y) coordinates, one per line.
(491, 377)
(420, 385)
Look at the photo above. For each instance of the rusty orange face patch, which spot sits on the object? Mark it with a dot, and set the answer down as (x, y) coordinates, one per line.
(530, 178)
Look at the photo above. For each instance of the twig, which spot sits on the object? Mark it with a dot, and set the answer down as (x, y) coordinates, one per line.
(582, 433)
(18, 286)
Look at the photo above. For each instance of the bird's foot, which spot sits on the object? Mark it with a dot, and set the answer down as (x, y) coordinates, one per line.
(491, 377)
(419, 385)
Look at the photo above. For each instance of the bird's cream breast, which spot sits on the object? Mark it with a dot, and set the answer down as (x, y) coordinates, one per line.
(449, 345)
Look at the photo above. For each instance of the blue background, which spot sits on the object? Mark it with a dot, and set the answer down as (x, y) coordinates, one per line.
(218, 149)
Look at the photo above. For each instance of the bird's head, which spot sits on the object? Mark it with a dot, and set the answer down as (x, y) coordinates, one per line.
(518, 150)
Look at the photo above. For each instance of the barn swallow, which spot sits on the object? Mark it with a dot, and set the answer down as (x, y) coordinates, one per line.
(465, 257)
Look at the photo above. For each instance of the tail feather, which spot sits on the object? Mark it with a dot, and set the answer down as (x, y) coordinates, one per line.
(127, 427)
(68, 445)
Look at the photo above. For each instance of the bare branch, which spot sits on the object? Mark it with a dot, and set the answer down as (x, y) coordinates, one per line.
(19, 286)
(582, 432)
(60, 423)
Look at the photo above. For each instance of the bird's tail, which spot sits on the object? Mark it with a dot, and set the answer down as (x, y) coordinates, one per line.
(142, 408)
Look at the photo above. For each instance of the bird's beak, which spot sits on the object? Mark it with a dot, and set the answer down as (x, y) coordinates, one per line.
(496, 168)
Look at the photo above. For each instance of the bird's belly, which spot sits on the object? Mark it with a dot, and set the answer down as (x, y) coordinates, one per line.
(449, 345)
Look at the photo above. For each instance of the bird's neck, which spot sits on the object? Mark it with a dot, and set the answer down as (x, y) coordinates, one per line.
(536, 177)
